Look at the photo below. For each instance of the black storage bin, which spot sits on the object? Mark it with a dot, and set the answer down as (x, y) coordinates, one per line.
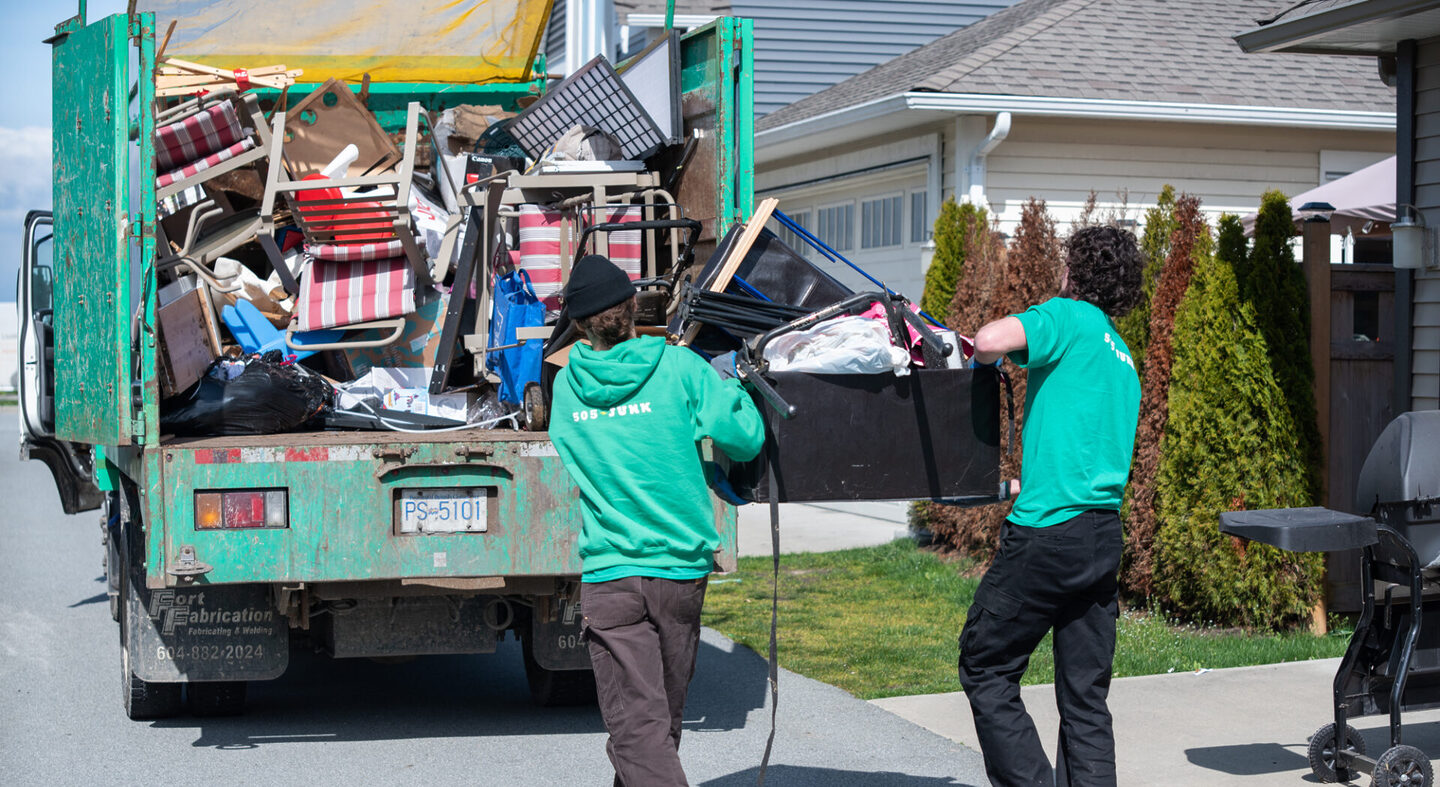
(934, 433)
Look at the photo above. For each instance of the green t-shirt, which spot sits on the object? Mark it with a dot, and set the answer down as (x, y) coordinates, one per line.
(1081, 406)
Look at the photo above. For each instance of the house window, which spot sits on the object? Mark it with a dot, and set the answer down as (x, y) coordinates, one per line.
(880, 222)
(920, 228)
(835, 226)
(789, 237)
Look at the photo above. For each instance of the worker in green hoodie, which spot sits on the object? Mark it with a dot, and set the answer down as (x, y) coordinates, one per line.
(628, 416)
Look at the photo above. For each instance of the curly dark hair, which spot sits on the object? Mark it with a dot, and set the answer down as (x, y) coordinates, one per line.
(612, 326)
(1105, 268)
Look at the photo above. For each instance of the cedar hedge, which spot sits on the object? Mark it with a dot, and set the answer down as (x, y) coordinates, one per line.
(1232, 442)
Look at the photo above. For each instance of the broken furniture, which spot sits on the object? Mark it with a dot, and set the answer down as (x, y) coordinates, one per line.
(175, 77)
(362, 265)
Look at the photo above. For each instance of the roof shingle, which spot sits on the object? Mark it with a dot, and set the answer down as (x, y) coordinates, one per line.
(1131, 50)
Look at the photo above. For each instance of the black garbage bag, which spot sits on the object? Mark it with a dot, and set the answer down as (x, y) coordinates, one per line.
(265, 397)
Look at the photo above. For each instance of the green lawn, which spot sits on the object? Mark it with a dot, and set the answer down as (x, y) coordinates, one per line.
(883, 622)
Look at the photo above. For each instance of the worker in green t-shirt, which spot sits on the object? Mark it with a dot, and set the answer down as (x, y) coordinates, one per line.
(1060, 547)
(627, 419)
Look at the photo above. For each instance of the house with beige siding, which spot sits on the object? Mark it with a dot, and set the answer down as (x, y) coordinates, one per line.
(1059, 98)
(1397, 41)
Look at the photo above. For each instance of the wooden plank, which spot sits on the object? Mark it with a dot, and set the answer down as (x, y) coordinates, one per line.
(1362, 278)
(736, 255)
(1316, 259)
(1341, 350)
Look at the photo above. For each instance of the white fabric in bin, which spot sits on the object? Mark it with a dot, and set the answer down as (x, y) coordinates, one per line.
(844, 345)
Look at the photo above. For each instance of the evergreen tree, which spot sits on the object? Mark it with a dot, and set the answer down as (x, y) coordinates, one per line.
(958, 229)
(1189, 238)
(1231, 442)
(1274, 286)
(1155, 247)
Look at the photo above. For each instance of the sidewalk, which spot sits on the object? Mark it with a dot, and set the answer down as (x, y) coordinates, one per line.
(1241, 726)
(822, 527)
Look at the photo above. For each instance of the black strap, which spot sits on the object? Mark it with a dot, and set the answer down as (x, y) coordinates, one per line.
(774, 617)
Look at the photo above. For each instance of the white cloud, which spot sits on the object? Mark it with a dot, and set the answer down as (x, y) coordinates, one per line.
(25, 184)
(25, 173)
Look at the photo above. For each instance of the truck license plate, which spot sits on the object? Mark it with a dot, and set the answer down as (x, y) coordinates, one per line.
(460, 510)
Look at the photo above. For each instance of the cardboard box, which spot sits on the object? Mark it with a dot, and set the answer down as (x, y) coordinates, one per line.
(416, 347)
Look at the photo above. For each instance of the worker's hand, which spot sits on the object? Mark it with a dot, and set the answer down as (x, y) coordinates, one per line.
(1014, 487)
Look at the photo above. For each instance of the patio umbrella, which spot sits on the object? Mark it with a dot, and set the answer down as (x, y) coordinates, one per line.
(1364, 196)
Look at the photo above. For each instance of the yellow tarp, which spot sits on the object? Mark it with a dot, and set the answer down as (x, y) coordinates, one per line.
(413, 41)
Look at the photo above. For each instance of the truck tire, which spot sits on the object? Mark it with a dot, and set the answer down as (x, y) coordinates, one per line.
(143, 700)
(218, 698)
(556, 688)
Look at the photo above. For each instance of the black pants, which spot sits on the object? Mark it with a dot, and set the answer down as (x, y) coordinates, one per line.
(643, 634)
(1061, 577)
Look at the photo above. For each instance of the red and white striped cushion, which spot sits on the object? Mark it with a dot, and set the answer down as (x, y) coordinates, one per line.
(356, 252)
(197, 136)
(540, 230)
(540, 233)
(203, 164)
(625, 245)
(333, 293)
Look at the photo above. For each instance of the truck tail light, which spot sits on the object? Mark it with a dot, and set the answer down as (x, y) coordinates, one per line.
(242, 509)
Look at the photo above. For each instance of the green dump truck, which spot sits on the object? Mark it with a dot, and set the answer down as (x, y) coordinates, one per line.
(221, 552)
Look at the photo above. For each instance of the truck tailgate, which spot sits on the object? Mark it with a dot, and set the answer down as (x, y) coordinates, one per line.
(345, 491)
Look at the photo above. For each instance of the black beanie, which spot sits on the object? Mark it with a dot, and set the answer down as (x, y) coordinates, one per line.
(595, 285)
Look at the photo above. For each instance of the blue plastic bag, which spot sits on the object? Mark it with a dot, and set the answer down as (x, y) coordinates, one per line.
(515, 307)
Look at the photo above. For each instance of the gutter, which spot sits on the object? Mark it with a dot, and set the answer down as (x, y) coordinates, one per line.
(1292, 35)
(976, 167)
(879, 116)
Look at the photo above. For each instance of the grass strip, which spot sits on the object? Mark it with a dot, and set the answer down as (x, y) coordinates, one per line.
(884, 621)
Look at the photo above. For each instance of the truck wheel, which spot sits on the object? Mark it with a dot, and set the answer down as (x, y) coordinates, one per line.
(143, 699)
(220, 698)
(556, 688)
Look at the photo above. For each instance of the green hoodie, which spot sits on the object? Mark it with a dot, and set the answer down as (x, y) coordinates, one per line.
(627, 422)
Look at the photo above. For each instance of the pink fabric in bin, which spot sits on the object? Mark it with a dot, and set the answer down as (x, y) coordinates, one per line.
(196, 167)
(344, 293)
(540, 230)
(209, 131)
(356, 252)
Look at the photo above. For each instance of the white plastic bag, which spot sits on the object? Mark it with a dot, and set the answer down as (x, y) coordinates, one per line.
(845, 345)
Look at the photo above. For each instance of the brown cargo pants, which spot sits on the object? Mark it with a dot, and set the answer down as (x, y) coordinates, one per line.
(643, 634)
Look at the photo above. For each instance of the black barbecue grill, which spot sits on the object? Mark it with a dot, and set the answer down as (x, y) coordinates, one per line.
(1392, 664)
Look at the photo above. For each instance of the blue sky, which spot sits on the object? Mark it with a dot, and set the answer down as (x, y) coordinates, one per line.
(25, 119)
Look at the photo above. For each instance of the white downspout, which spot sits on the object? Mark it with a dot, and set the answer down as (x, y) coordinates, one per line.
(975, 168)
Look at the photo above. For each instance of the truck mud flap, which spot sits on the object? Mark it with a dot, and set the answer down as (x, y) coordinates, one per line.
(557, 644)
(205, 633)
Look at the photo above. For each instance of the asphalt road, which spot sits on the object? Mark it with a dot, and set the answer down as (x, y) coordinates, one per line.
(434, 720)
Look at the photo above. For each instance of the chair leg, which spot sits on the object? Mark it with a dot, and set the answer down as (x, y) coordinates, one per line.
(277, 261)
